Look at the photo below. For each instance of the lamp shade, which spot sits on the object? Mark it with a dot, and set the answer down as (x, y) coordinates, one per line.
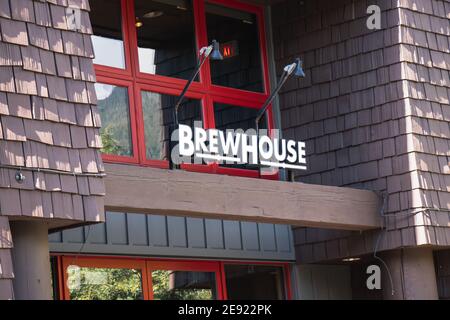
(299, 69)
(215, 54)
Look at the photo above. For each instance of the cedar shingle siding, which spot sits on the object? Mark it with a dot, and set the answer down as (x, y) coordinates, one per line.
(374, 111)
(48, 119)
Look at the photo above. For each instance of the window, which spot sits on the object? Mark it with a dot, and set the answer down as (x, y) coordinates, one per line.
(236, 117)
(54, 277)
(120, 278)
(166, 37)
(158, 117)
(104, 283)
(146, 49)
(113, 106)
(103, 279)
(260, 282)
(183, 285)
(241, 67)
(108, 39)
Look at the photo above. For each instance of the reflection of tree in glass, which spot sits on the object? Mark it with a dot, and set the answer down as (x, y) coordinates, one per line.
(110, 145)
(114, 112)
(112, 284)
(162, 290)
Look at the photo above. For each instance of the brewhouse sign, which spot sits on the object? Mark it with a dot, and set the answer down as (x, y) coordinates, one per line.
(197, 145)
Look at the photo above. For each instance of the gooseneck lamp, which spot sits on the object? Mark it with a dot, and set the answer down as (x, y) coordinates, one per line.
(296, 69)
(212, 52)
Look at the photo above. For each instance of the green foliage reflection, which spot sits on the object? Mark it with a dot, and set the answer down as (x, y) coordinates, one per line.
(165, 288)
(104, 284)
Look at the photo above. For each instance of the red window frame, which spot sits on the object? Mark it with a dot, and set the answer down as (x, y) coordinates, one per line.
(178, 265)
(88, 262)
(147, 265)
(135, 81)
(133, 120)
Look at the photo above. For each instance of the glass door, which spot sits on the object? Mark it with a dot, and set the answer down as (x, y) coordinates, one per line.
(104, 279)
(97, 278)
(181, 280)
(255, 282)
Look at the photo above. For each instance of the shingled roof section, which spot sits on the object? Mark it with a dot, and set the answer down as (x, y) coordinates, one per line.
(48, 119)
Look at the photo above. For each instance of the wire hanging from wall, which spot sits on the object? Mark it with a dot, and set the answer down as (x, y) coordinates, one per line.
(385, 229)
(45, 170)
(383, 233)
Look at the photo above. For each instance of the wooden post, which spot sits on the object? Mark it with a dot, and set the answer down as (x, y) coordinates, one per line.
(31, 260)
(413, 274)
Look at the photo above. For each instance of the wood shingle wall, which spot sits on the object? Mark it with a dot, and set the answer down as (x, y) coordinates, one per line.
(374, 111)
(49, 124)
(425, 74)
(48, 117)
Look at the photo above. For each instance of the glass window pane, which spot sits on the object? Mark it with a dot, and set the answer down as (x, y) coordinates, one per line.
(238, 34)
(183, 285)
(104, 283)
(237, 118)
(166, 37)
(107, 39)
(254, 282)
(158, 110)
(54, 277)
(114, 111)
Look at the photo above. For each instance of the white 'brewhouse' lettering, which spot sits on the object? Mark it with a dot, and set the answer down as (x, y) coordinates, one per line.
(241, 147)
(185, 138)
(230, 143)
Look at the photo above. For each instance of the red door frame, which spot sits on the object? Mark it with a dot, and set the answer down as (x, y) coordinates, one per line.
(66, 261)
(147, 265)
(180, 265)
(284, 265)
(134, 80)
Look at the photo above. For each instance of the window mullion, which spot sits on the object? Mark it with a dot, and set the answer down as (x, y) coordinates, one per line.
(205, 74)
(132, 46)
(202, 39)
(130, 36)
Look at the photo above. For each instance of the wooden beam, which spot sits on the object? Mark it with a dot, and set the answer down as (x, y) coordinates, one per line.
(182, 193)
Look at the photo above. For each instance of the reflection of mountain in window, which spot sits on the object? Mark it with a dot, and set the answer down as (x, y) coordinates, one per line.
(157, 110)
(154, 127)
(114, 112)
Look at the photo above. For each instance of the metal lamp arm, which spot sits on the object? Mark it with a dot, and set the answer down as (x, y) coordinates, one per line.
(287, 72)
(204, 54)
(268, 102)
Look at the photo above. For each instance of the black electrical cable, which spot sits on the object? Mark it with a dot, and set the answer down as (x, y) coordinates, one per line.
(46, 170)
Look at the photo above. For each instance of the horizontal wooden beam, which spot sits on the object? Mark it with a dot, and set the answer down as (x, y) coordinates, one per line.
(182, 193)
